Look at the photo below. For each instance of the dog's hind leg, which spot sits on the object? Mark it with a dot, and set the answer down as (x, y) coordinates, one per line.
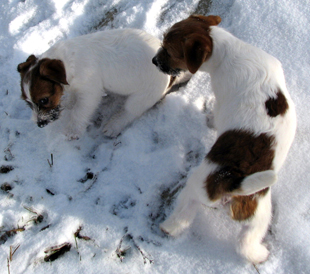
(250, 240)
(188, 201)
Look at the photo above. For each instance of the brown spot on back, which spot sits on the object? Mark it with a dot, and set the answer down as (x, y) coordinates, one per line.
(276, 106)
(243, 207)
(238, 153)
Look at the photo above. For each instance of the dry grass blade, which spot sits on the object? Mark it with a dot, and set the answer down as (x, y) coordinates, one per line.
(10, 233)
(121, 252)
(145, 258)
(8, 261)
(36, 219)
(12, 252)
(51, 163)
(55, 252)
(79, 236)
(256, 268)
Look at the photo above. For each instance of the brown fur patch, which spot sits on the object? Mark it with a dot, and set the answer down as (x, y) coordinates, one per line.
(23, 68)
(276, 106)
(45, 81)
(243, 207)
(42, 87)
(239, 154)
(187, 44)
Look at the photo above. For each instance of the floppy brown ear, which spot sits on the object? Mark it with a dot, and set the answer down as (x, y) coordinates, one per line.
(196, 49)
(25, 66)
(53, 70)
(211, 20)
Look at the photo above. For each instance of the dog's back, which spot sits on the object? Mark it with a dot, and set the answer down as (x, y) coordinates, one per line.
(111, 57)
(250, 92)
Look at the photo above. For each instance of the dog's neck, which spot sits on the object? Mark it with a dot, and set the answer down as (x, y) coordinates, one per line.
(242, 64)
(224, 44)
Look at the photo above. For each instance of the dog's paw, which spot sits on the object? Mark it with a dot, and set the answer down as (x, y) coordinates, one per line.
(72, 137)
(254, 253)
(171, 228)
(111, 130)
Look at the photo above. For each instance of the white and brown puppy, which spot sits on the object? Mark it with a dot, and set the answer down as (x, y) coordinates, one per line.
(70, 78)
(255, 121)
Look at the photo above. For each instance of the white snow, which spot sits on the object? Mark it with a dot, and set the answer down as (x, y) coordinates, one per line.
(128, 194)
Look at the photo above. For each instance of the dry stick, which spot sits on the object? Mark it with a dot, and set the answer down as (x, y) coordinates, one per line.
(10, 258)
(93, 182)
(140, 250)
(256, 268)
(12, 253)
(77, 247)
(52, 161)
(119, 252)
(8, 265)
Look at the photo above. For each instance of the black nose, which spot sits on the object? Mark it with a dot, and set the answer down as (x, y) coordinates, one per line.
(42, 123)
(154, 61)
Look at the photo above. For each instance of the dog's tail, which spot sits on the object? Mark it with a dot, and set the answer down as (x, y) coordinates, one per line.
(256, 182)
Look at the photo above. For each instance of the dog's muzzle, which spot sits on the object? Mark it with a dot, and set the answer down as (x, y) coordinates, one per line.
(44, 118)
(164, 68)
(42, 123)
(154, 61)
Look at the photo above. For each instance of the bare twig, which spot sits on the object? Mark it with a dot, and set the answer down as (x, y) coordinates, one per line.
(50, 192)
(36, 219)
(121, 253)
(45, 227)
(256, 268)
(10, 233)
(94, 180)
(12, 252)
(79, 236)
(51, 163)
(8, 266)
(140, 250)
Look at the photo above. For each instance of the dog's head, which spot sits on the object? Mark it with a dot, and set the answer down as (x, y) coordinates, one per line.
(186, 45)
(42, 87)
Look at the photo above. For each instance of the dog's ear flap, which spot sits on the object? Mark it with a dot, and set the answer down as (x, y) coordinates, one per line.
(53, 70)
(196, 48)
(211, 20)
(26, 65)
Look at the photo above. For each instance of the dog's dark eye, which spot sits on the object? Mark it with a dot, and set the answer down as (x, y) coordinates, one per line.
(167, 53)
(43, 101)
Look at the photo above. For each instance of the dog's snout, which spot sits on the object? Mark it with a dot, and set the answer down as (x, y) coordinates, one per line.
(154, 61)
(42, 123)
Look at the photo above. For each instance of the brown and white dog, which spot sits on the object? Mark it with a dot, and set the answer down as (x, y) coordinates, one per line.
(255, 120)
(69, 80)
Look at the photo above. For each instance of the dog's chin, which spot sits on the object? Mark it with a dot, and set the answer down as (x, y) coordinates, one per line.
(168, 70)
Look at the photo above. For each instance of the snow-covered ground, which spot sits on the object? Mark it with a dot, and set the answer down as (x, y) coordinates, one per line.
(105, 198)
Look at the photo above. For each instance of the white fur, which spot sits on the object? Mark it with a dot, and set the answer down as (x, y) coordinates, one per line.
(243, 77)
(115, 61)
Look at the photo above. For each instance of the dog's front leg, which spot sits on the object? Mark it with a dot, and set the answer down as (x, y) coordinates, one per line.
(81, 109)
